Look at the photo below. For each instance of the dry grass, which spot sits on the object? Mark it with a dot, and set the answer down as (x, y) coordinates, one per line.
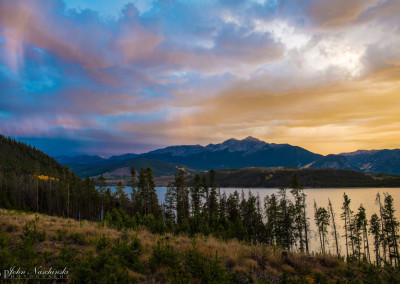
(235, 255)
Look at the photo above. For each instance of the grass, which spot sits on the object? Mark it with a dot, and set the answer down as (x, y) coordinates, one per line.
(240, 262)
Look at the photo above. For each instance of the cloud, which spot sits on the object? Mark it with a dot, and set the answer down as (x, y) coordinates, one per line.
(196, 72)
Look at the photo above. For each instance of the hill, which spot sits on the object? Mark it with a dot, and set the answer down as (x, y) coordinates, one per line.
(21, 159)
(376, 161)
(90, 252)
(120, 169)
(332, 162)
(310, 178)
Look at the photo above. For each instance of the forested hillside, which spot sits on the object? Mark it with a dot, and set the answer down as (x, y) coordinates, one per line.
(21, 159)
(310, 178)
(31, 180)
(121, 168)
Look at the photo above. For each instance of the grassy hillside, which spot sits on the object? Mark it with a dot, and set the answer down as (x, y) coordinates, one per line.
(95, 252)
(311, 178)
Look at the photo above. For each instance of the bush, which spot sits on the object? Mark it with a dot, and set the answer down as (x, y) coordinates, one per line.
(6, 259)
(118, 219)
(164, 254)
(31, 233)
(206, 270)
(66, 257)
(128, 254)
(103, 243)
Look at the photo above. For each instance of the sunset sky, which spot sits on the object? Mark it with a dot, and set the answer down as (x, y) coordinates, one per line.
(111, 77)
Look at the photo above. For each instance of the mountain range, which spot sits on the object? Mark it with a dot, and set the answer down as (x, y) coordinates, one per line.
(234, 153)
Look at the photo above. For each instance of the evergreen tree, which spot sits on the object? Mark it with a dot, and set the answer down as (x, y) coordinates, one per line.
(299, 218)
(346, 216)
(153, 205)
(334, 226)
(196, 196)
(391, 229)
(375, 230)
(205, 192)
(122, 197)
(322, 221)
(272, 213)
(213, 198)
(360, 234)
(102, 188)
(182, 197)
(170, 203)
(285, 228)
(142, 193)
(384, 235)
(133, 185)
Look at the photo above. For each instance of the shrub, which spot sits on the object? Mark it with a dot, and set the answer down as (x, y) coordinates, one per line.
(6, 258)
(31, 233)
(164, 254)
(103, 243)
(206, 270)
(128, 254)
(61, 234)
(66, 257)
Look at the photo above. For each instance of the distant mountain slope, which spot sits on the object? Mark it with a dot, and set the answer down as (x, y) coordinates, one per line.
(310, 178)
(235, 154)
(121, 168)
(376, 161)
(248, 152)
(81, 159)
(332, 162)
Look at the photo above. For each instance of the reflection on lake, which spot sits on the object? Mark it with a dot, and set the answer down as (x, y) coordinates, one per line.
(364, 196)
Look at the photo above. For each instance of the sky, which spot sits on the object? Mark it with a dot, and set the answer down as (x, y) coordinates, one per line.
(112, 77)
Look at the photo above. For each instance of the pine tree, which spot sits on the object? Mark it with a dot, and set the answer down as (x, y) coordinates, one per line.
(213, 197)
(233, 214)
(360, 233)
(384, 236)
(121, 196)
(334, 226)
(196, 196)
(205, 192)
(170, 203)
(102, 188)
(375, 230)
(391, 229)
(232, 207)
(321, 217)
(182, 197)
(152, 202)
(133, 185)
(142, 193)
(299, 218)
(272, 214)
(285, 232)
(346, 216)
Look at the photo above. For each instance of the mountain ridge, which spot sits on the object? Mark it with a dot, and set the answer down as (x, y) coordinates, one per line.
(253, 152)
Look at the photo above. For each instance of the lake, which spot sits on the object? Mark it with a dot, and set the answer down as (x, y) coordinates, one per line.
(364, 196)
